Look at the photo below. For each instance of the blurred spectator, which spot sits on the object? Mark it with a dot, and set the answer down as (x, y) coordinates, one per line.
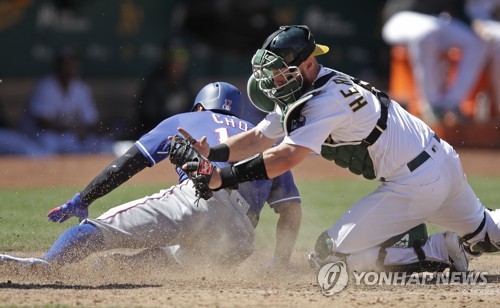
(14, 142)
(429, 28)
(485, 16)
(167, 90)
(61, 113)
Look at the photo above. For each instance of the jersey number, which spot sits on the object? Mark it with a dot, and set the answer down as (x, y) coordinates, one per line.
(223, 134)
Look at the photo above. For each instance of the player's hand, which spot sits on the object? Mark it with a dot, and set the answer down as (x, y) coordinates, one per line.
(201, 146)
(74, 207)
(183, 154)
(200, 172)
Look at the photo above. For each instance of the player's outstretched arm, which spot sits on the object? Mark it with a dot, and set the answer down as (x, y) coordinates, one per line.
(235, 148)
(247, 144)
(287, 230)
(267, 165)
(74, 207)
(115, 174)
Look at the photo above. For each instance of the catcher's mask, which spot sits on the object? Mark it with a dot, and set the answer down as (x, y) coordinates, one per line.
(221, 97)
(275, 67)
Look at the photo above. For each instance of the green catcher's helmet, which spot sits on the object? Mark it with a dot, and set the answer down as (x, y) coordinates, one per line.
(282, 53)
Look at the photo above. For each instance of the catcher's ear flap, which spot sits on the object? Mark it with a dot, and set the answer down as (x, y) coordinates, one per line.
(257, 97)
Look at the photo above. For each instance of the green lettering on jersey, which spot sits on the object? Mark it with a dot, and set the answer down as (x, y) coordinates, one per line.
(358, 103)
(350, 92)
(342, 79)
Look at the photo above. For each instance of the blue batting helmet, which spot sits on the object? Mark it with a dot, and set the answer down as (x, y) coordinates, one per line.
(220, 97)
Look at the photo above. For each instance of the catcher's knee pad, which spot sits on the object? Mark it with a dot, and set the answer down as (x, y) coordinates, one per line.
(324, 246)
(324, 252)
(372, 258)
(418, 267)
(416, 236)
(486, 238)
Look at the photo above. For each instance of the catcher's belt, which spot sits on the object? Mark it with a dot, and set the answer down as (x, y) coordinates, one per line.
(422, 157)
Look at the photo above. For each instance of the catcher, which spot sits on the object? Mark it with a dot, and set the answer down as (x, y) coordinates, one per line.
(314, 109)
(219, 230)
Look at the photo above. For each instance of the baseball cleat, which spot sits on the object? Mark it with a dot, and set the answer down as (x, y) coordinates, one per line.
(456, 253)
(24, 263)
(314, 261)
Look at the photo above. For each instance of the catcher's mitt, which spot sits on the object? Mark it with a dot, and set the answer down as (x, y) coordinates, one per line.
(197, 168)
(182, 151)
(200, 173)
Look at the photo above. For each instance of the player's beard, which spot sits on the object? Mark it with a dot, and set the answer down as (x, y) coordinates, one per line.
(306, 84)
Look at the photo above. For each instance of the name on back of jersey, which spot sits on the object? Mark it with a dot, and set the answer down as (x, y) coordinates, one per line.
(230, 121)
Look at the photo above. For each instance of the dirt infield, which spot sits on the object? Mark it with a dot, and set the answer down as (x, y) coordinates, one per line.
(79, 170)
(90, 284)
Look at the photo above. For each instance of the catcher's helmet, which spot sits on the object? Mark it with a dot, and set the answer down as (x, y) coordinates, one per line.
(294, 44)
(221, 97)
(278, 59)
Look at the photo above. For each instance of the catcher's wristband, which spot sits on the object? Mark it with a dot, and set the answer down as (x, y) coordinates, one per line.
(252, 169)
(219, 152)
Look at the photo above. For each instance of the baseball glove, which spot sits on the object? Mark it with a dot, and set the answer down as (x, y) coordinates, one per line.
(182, 151)
(197, 168)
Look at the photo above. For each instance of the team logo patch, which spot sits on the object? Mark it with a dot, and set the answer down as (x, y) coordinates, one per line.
(296, 123)
(227, 104)
(403, 242)
(205, 167)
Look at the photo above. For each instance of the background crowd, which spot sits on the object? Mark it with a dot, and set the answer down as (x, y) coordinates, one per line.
(83, 82)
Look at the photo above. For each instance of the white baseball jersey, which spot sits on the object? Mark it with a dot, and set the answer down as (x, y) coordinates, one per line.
(428, 37)
(330, 114)
(436, 191)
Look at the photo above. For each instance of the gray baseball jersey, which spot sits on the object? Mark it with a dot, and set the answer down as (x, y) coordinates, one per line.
(221, 228)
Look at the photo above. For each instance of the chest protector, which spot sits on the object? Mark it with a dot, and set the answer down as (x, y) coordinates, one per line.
(354, 156)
